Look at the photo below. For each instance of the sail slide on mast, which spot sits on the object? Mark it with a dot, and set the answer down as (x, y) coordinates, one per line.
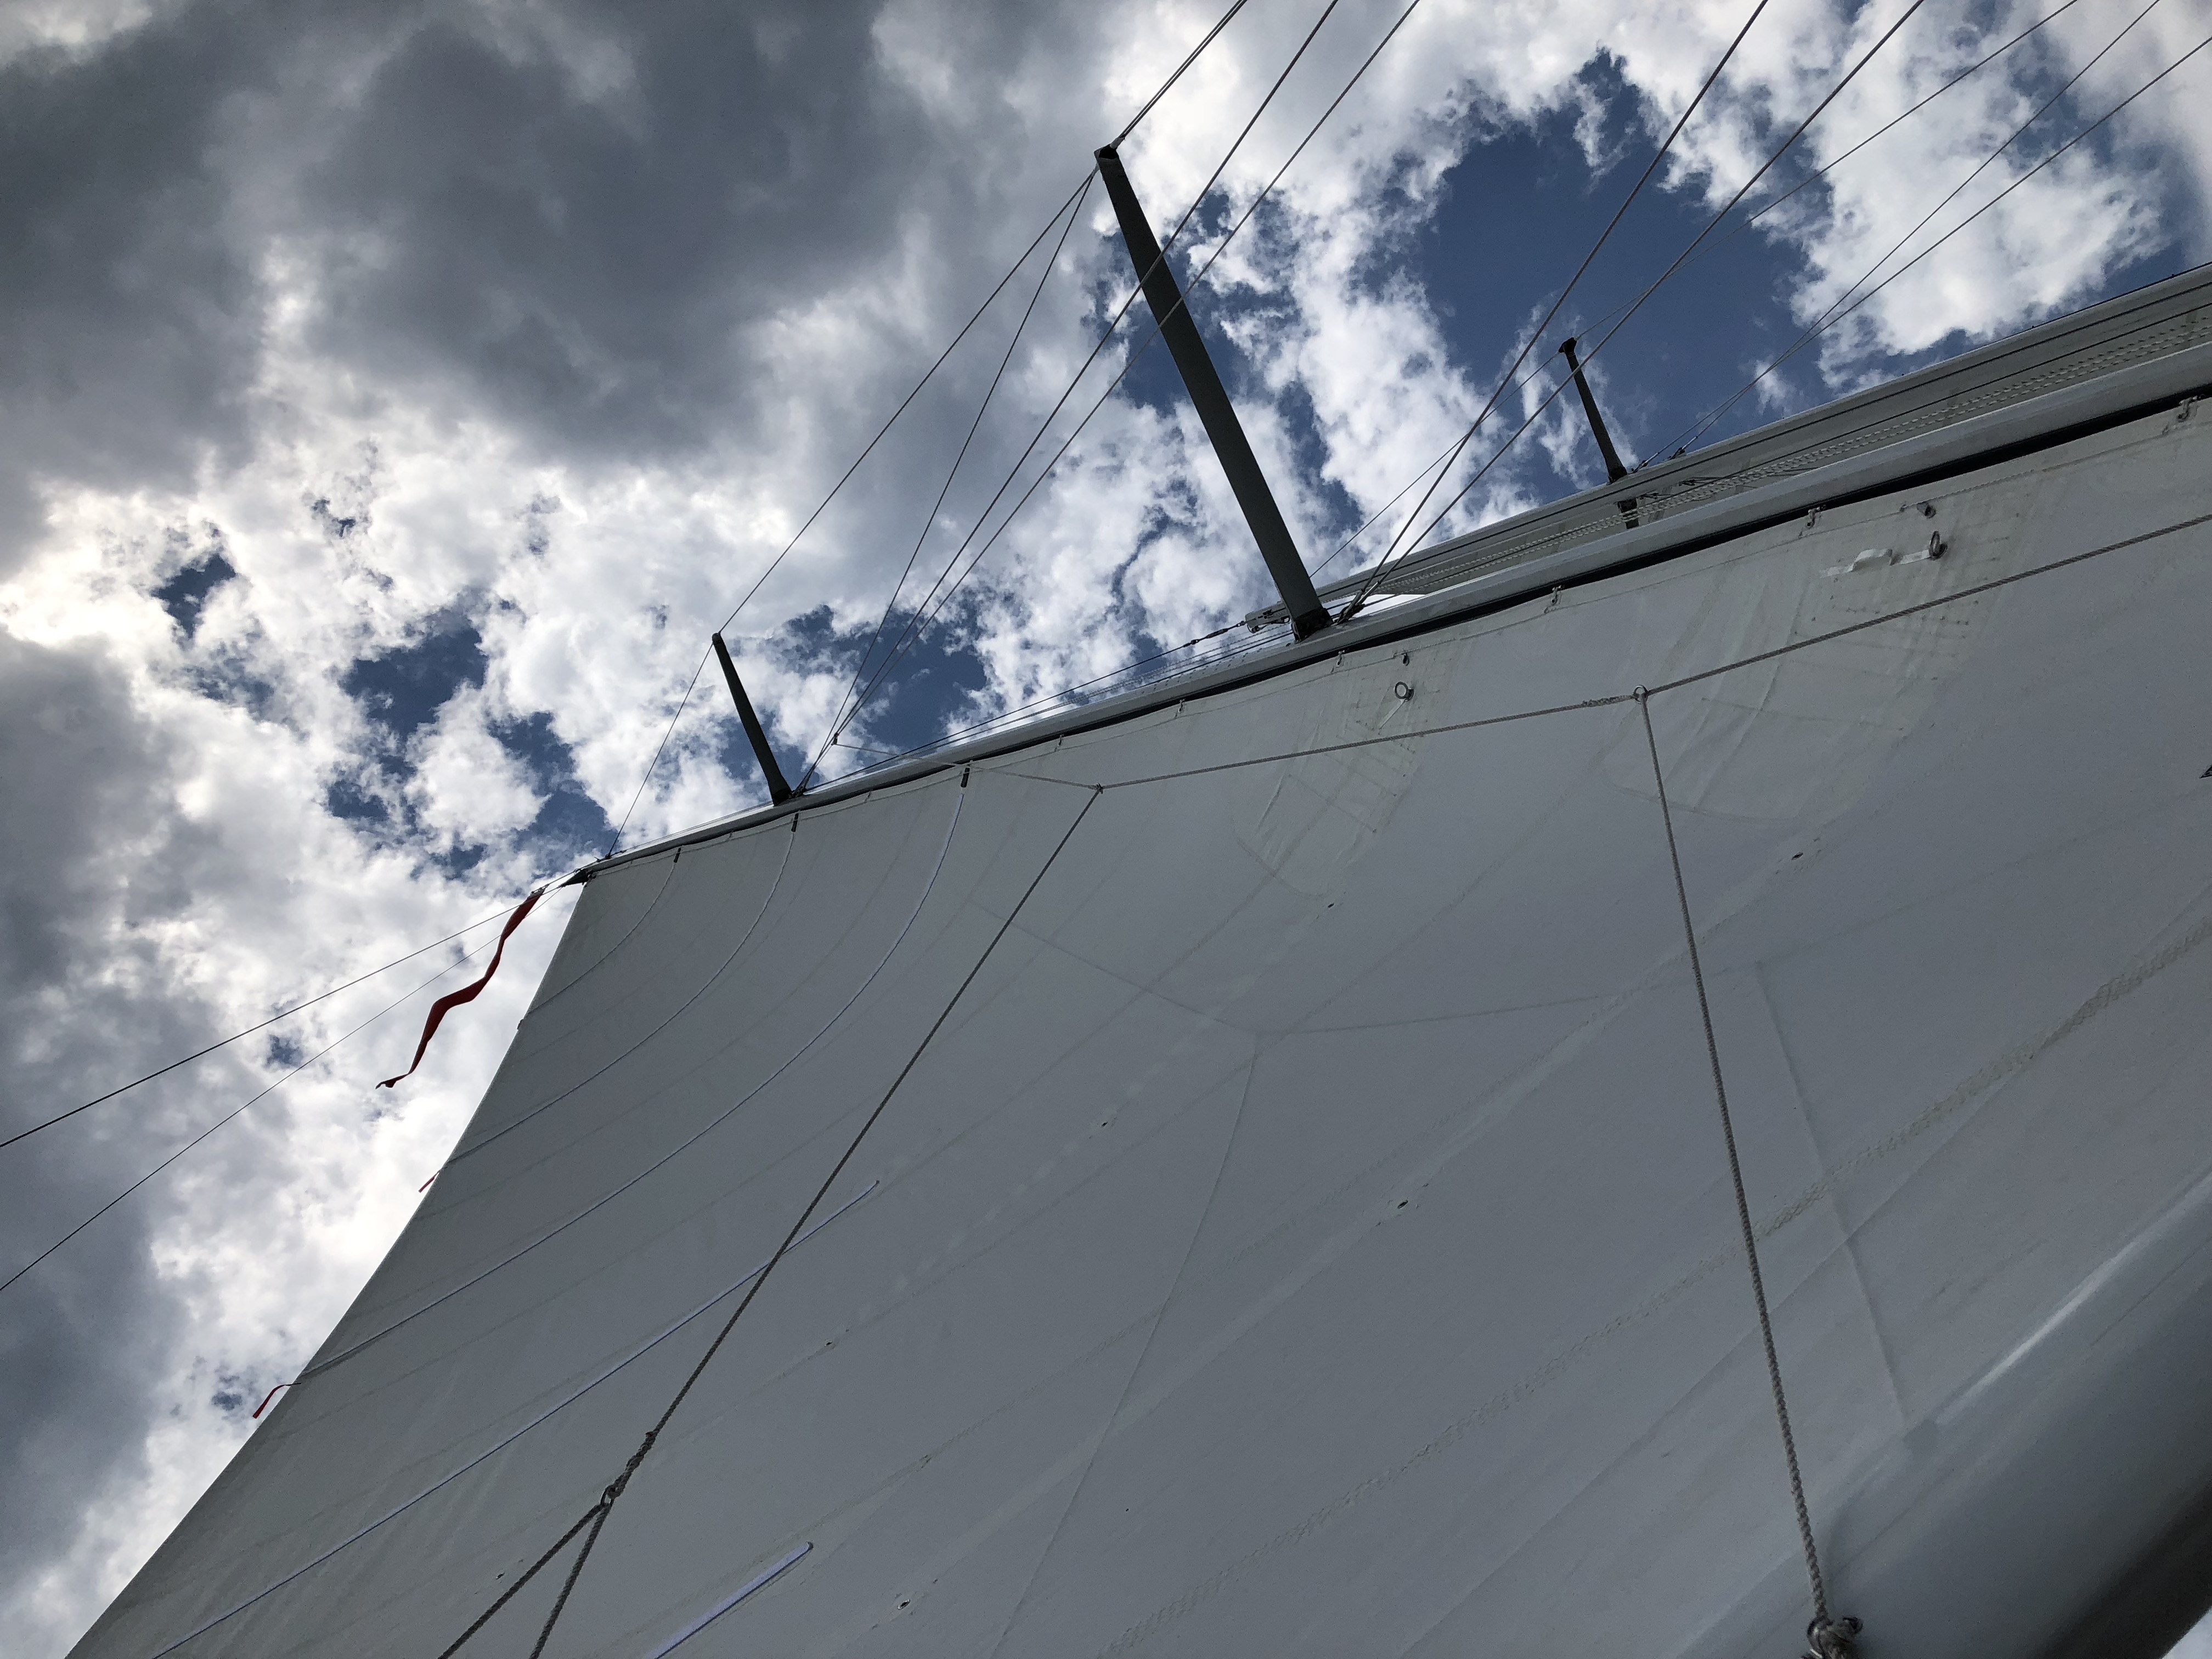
(1297, 1216)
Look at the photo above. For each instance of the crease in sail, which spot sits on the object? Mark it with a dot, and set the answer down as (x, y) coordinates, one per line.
(698, 1135)
(669, 1019)
(500, 1445)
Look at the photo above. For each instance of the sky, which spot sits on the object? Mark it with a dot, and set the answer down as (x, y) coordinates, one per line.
(395, 396)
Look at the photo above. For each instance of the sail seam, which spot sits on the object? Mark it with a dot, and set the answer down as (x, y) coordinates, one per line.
(686, 1144)
(597, 1515)
(1830, 1638)
(1975, 591)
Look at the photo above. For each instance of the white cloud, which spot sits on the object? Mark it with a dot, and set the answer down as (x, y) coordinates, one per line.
(551, 382)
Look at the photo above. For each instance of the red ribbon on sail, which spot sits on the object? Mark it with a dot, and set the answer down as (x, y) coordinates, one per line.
(453, 1000)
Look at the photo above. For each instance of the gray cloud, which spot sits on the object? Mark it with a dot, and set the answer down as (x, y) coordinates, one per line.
(392, 395)
(128, 316)
(83, 1337)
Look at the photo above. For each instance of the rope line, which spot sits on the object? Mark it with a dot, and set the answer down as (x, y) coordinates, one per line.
(1181, 304)
(230, 1116)
(1384, 564)
(1833, 315)
(500, 1445)
(692, 685)
(823, 505)
(202, 1053)
(620, 1484)
(1821, 1621)
(929, 519)
(515, 1588)
(927, 612)
(1147, 109)
(1537, 333)
(1826, 167)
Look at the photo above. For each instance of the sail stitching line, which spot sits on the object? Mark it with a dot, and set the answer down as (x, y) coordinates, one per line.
(692, 1140)
(597, 1515)
(677, 1013)
(1830, 1638)
(1972, 592)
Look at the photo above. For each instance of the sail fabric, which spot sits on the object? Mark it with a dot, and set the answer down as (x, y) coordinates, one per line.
(1310, 1232)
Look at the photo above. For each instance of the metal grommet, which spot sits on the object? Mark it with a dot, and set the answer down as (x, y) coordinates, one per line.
(1402, 691)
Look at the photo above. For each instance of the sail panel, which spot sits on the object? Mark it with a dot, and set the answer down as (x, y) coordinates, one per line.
(1310, 1230)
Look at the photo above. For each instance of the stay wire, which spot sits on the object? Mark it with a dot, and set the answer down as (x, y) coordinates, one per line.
(231, 1117)
(923, 613)
(1559, 385)
(1018, 709)
(692, 685)
(1839, 311)
(1181, 304)
(823, 505)
(1828, 167)
(202, 1053)
(1193, 57)
(597, 1515)
(1537, 333)
(929, 519)
(1652, 287)
(1821, 1621)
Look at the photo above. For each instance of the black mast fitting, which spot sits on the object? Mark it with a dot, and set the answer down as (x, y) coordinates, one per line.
(1215, 412)
(778, 791)
(1614, 471)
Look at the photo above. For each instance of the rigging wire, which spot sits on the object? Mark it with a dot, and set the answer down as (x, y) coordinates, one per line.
(202, 1053)
(1838, 311)
(692, 685)
(925, 613)
(1537, 333)
(922, 621)
(1824, 1628)
(231, 1117)
(929, 519)
(1828, 167)
(597, 1514)
(823, 505)
(1384, 564)
(697, 1135)
(1147, 109)
(1789, 648)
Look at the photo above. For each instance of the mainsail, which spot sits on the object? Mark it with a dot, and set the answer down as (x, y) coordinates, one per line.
(1250, 1150)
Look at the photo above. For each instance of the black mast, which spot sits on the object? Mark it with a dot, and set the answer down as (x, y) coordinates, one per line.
(778, 791)
(1308, 614)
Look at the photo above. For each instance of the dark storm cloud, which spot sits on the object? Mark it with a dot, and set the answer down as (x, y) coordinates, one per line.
(589, 262)
(128, 317)
(84, 1335)
(476, 211)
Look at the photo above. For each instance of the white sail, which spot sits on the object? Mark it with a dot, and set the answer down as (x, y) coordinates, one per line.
(1310, 1230)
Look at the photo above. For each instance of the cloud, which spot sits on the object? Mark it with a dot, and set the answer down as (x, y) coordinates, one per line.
(393, 397)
